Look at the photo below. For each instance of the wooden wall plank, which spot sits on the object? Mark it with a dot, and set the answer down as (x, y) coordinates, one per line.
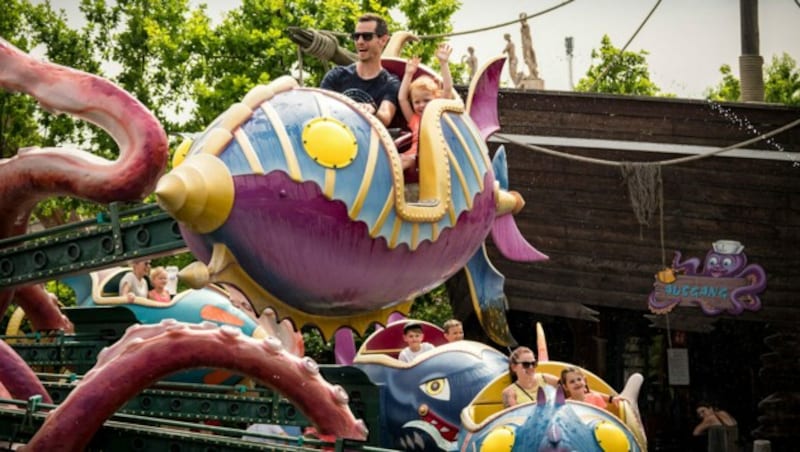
(580, 213)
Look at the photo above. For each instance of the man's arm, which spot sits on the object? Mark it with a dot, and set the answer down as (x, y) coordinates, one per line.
(388, 102)
(386, 112)
(126, 287)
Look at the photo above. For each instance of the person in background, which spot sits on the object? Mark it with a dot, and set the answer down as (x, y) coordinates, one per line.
(525, 381)
(717, 430)
(710, 416)
(133, 284)
(573, 382)
(453, 330)
(159, 278)
(415, 341)
(366, 81)
(416, 93)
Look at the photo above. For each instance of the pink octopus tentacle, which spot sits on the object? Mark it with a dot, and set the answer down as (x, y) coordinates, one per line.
(147, 353)
(17, 378)
(4, 392)
(36, 174)
(41, 309)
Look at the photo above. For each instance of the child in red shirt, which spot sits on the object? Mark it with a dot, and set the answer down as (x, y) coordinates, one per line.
(415, 94)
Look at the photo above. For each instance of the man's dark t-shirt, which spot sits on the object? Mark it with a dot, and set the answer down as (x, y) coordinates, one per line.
(345, 80)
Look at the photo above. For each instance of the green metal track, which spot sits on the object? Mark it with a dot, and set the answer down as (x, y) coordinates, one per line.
(113, 238)
(194, 403)
(190, 402)
(236, 404)
(230, 405)
(62, 352)
(169, 416)
(123, 433)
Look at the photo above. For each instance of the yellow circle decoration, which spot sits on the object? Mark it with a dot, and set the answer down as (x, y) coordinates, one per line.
(501, 439)
(329, 142)
(611, 438)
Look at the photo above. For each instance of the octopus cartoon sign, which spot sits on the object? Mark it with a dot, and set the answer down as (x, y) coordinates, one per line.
(725, 283)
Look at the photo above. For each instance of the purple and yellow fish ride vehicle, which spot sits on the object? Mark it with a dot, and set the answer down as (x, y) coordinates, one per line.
(298, 198)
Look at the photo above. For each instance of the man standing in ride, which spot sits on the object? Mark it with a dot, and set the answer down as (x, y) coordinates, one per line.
(366, 81)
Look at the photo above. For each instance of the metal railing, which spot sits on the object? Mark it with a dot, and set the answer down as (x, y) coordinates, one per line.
(112, 238)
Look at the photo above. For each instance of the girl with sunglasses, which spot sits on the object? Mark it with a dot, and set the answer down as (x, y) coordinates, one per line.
(525, 381)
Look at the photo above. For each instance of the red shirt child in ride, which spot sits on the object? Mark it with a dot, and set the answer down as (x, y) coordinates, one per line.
(159, 278)
(415, 95)
(575, 388)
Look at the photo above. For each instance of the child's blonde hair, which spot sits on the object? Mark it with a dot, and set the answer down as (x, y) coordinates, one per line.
(452, 323)
(157, 271)
(425, 83)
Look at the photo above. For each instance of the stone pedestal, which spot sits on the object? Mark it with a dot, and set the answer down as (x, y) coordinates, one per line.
(761, 445)
(531, 83)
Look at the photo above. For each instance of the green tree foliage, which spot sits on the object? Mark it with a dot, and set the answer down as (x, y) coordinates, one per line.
(64, 46)
(251, 47)
(433, 306)
(781, 83)
(618, 72)
(172, 58)
(728, 89)
(149, 47)
(317, 348)
(424, 20)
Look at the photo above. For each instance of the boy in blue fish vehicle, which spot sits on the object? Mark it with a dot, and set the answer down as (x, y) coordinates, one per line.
(414, 339)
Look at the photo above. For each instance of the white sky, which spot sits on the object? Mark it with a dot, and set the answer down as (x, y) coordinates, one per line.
(687, 40)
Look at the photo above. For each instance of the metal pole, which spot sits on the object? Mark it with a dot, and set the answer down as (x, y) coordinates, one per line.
(569, 43)
(750, 62)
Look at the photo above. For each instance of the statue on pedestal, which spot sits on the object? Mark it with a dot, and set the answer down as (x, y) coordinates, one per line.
(528, 54)
(471, 60)
(532, 80)
(512, 60)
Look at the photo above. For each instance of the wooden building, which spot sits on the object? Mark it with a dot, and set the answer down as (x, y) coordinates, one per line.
(592, 295)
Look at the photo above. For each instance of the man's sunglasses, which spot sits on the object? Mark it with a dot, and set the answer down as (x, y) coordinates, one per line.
(366, 36)
(527, 364)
